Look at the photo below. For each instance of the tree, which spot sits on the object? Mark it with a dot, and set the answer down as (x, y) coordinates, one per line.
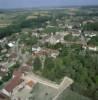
(68, 37)
(91, 26)
(48, 68)
(96, 95)
(7, 77)
(49, 63)
(37, 64)
(93, 41)
(1, 82)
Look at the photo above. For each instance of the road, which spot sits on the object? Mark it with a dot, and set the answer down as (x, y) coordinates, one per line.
(65, 83)
(83, 40)
(59, 87)
(43, 81)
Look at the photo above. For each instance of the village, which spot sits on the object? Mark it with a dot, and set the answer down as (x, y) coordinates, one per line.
(26, 73)
(22, 82)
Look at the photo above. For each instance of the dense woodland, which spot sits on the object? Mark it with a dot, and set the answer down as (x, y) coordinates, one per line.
(80, 65)
(30, 23)
(91, 26)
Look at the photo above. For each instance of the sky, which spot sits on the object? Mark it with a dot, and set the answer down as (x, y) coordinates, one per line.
(44, 3)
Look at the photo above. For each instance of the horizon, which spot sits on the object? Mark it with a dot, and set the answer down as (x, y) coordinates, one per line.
(15, 4)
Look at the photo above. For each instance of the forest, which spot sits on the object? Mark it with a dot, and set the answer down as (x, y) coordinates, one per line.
(81, 65)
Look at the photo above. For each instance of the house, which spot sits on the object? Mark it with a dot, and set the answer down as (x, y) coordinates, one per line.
(11, 44)
(48, 52)
(62, 33)
(69, 26)
(3, 68)
(4, 51)
(35, 34)
(90, 33)
(11, 85)
(52, 53)
(36, 48)
(75, 33)
(3, 71)
(3, 41)
(91, 48)
(45, 39)
(24, 89)
(43, 35)
(17, 73)
(54, 39)
(19, 83)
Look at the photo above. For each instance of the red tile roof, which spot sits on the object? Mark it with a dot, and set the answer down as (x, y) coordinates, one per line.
(13, 83)
(17, 73)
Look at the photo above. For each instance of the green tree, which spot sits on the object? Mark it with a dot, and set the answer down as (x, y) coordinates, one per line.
(48, 67)
(49, 63)
(37, 64)
(96, 95)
